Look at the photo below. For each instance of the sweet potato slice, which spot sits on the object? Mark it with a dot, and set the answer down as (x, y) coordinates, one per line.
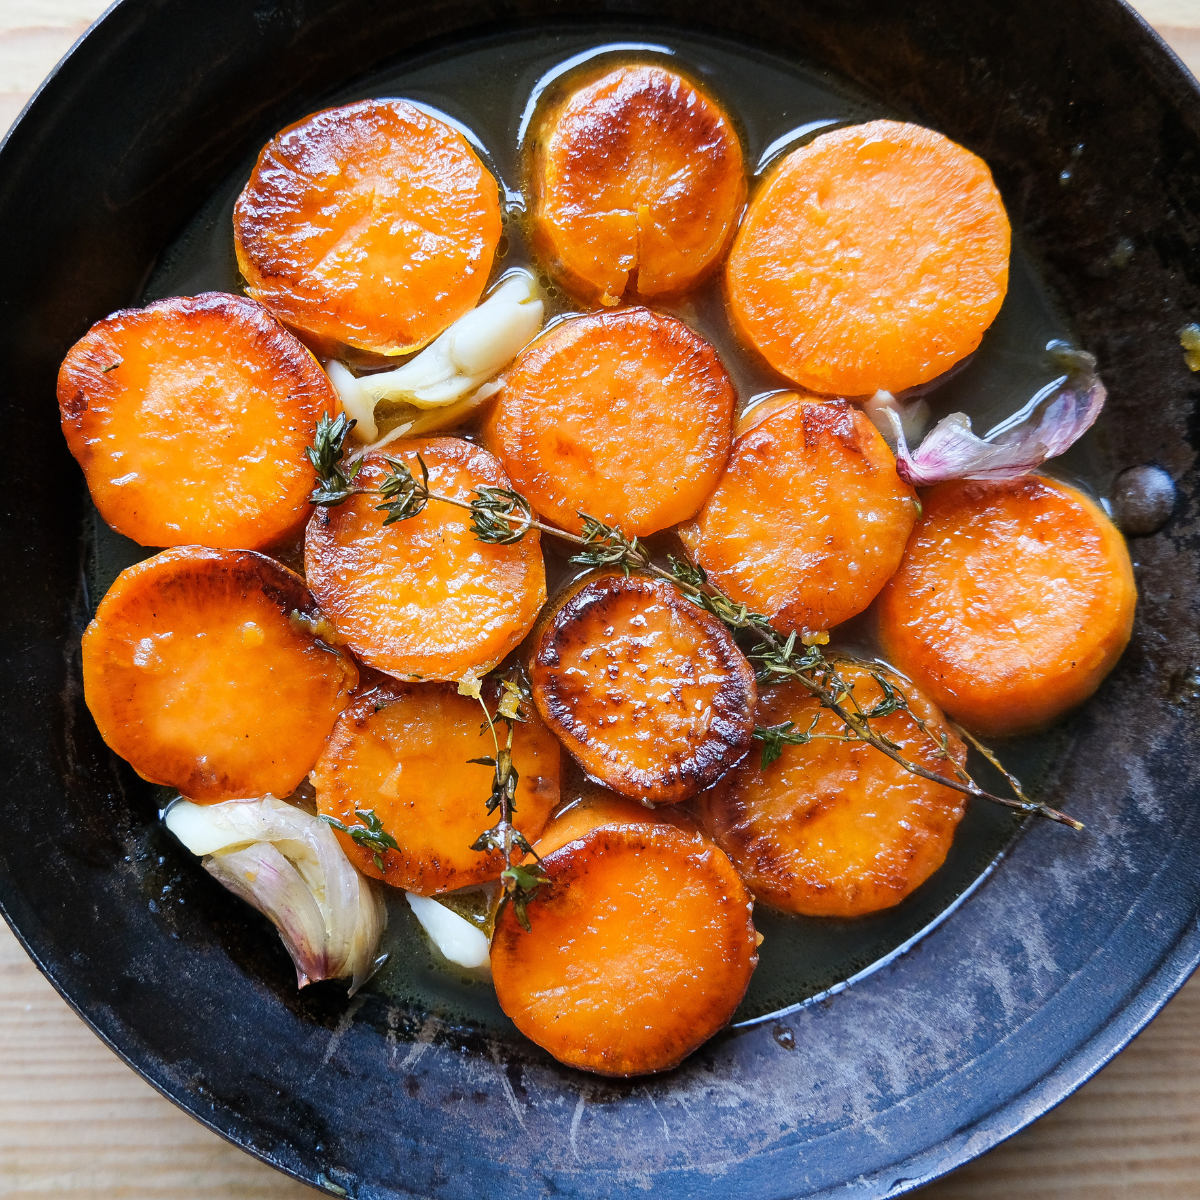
(402, 750)
(372, 225)
(202, 669)
(637, 182)
(810, 518)
(1013, 602)
(834, 828)
(626, 416)
(190, 419)
(647, 691)
(424, 598)
(642, 944)
(874, 257)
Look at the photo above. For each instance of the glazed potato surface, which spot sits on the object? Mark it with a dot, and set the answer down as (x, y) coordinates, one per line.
(372, 225)
(637, 181)
(626, 416)
(199, 674)
(642, 947)
(403, 750)
(834, 828)
(190, 419)
(1013, 602)
(424, 598)
(872, 258)
(810, 519)
(648, 692)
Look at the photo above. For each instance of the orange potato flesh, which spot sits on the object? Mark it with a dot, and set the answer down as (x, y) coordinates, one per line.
(402, 751)
(1013, 602)
(642, 947)
(874, 257)
(190, 419)
(648, 692)
(373, 225)
(199, 671)
(637, 182)
(625, 416)
(833, 828)
(424, 598)
(810, 518)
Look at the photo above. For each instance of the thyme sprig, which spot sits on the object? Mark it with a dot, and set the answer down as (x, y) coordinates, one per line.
(370, 833)
(519, 880)
(775, 737)
(501, 516)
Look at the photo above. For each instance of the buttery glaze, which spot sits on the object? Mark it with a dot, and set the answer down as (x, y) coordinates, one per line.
(638, 951)
(648, 692)
(637, 181)
(190, 419)
(424, 598)
(372, 225)
(404, 751)
(834, 828)
(494, 87)
(624, 415)
(202, 670)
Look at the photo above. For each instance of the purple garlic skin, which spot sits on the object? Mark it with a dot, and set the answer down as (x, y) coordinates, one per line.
(1052, 421)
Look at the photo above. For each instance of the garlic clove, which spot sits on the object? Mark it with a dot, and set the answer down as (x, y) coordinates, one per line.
(355, 400)
(454, 936)
(289, 865)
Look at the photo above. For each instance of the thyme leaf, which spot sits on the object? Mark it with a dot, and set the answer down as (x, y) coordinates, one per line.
(606, 546)
(334, 486)
(775, 737)
(402, 495)
(369, 834)
(520, 880)
(500, 515)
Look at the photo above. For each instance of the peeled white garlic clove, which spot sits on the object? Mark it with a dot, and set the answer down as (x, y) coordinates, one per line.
(476, 347)
(291, 867)
(355, 401)
(456, 938)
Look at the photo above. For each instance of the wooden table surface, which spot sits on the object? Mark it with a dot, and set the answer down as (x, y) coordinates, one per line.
(75, 1121)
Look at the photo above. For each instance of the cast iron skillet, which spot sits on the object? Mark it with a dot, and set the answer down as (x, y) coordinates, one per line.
(1043, 975)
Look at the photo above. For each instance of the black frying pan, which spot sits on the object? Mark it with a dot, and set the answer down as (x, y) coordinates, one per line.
(1033, 984)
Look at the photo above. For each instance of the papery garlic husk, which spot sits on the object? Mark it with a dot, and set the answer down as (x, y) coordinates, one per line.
(1052, 421)
(476, 347)
(290, 866)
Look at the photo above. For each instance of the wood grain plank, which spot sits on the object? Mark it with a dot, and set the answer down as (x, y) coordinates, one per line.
(76, 1122)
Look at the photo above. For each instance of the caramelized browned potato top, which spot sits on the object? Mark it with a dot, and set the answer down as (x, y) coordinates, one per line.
(372, 225)
(403, 750)
(423, 598)
(648, 692)
(637, 182)
(202, 670)
(810, 518)
(626, 416)
(190, 419)
(836, 828)
(642, 945)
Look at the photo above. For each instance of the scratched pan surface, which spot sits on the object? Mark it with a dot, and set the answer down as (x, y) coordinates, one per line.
(1042, 974)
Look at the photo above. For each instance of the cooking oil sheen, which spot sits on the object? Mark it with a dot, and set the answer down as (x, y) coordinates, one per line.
(490, 89)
